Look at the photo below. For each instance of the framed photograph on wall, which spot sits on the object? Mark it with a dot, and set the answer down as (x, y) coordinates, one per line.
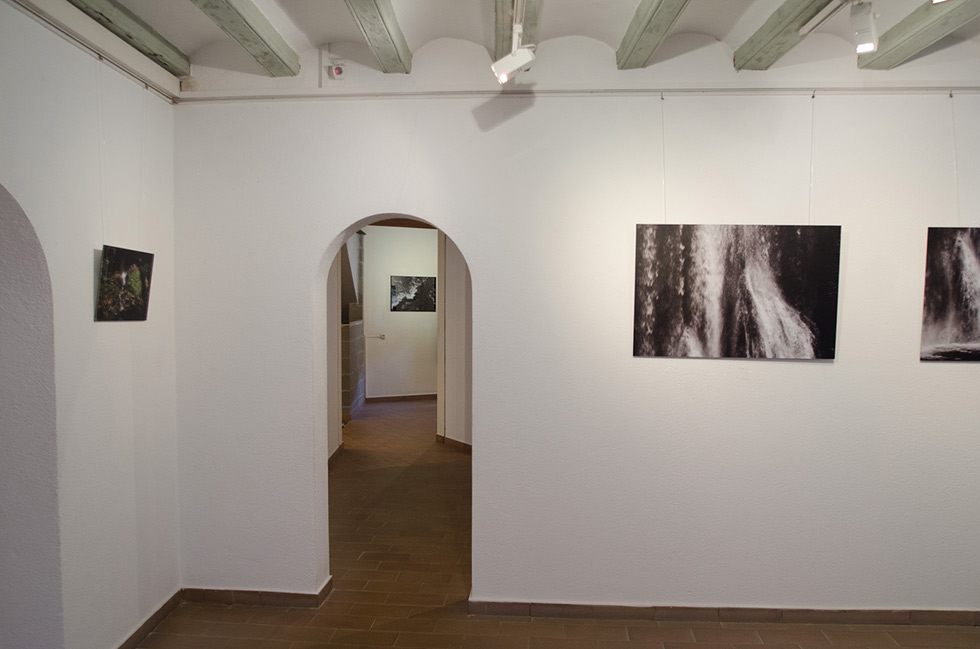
(124, 284)
(413, 293)
(736, 291)
(951, 305)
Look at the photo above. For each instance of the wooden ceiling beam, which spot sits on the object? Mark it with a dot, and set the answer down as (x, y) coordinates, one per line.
(249, 27)
(378, 24)
(503, 35)
(917, 31)
(779, 34)
(78, 27)
(128, 26)
(650, 25)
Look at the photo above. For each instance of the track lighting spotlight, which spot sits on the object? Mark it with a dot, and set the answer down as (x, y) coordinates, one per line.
(521, 56)
(518, 60)
(863, 26)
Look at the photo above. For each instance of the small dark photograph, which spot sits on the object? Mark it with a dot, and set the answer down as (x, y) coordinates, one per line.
(409, 293)
(951, 306)
(124, 284)
(736, 291)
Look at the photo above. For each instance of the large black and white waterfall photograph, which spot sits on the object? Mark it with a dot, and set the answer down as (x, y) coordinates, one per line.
(951, 306)
(736, 291)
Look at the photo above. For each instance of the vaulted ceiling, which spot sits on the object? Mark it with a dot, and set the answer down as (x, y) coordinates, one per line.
(178, 35)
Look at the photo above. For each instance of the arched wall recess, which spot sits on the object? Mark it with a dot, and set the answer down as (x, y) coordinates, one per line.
(30, 548)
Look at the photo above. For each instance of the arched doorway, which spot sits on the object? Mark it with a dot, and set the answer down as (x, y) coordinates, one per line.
(454, 361)
(30, 548)
(453, 426)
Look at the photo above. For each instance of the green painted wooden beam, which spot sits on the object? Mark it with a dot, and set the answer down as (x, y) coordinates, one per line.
(378, 24)
(126, 25)
(778, 35)
(503, 35)
(503, 26)
(249, 27)
(917, 31)
(650, 25)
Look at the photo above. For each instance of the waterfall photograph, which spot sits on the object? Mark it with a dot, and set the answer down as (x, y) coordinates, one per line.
(736, 291)
(951, 306)
(411, 293)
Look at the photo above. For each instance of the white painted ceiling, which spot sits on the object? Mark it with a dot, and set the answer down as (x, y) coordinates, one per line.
(310, 23)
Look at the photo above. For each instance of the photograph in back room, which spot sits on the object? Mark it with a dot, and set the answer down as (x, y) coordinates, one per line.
(124, 284)
(951, 306)
(736, 291)
(410, 293)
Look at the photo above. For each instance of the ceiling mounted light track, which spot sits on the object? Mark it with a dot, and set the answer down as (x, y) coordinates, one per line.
(521, 56)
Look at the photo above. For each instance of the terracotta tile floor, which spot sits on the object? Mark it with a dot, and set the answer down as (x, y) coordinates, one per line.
(400, 558)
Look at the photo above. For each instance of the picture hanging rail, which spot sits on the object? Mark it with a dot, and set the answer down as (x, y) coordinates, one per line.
(951, 305)
(736, 291)
(412, 293)
(124, 284)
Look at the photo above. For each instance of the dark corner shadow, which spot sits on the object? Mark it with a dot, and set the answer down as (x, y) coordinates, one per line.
(510, 103)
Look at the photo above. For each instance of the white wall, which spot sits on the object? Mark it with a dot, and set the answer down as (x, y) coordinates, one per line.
(457, 310)
(663, 481)
(404, 363)
(843, 484)
(88, 154)
(327, 385)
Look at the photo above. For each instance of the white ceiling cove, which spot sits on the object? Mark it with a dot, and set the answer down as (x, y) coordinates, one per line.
(450, 39)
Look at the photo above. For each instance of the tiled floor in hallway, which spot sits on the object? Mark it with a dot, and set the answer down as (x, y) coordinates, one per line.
(400, 556)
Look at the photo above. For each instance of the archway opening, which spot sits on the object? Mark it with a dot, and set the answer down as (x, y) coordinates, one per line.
(400, 497)
(30, 559)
